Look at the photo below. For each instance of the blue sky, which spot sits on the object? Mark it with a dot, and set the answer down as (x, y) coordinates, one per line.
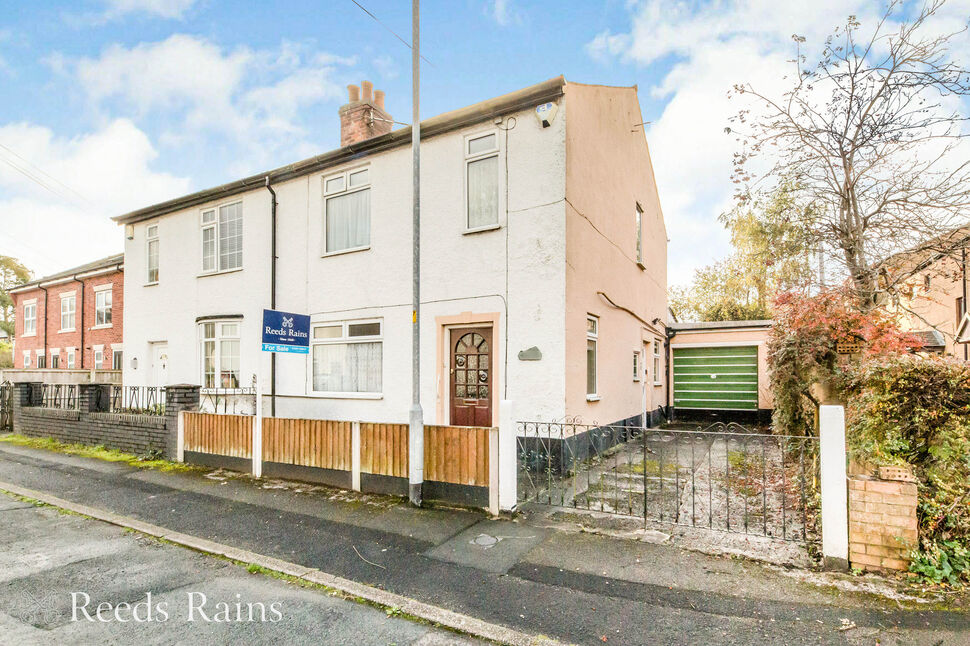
(117, 104)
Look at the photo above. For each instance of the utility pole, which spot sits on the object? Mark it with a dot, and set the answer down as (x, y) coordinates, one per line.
(416, 422)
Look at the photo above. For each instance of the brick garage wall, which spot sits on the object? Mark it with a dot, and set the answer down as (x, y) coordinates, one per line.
(882, 523)
(90, 425)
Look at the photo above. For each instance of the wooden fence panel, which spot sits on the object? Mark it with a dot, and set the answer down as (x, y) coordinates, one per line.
(230, 435)
(456, 454)
(384, 449)
(307, 442)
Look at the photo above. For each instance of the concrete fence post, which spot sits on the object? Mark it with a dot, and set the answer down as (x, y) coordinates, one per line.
(507, 456)
(258, 432)
(180, 438)
(355, 455)
(835, 497)
(493, 470)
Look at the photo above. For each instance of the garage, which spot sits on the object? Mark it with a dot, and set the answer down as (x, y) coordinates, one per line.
(716, 377)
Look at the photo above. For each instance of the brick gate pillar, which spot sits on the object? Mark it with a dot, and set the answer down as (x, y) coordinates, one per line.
(178, 398)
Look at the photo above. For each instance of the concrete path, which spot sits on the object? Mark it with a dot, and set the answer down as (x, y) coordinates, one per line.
(527, 575)
(56, 569)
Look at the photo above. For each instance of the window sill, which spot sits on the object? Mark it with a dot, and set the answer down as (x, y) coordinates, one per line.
(152, 284)
(219, 273)
(658, 383)
(340, 252)
(26, 335)
(592, 398)
(66, 330)
(642, 266)
(102, 327)
(490, 227)
(347, 395)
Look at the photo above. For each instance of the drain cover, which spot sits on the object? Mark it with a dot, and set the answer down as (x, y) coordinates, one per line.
(484, 540)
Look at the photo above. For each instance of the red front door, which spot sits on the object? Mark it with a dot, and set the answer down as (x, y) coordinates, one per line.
(471, 376)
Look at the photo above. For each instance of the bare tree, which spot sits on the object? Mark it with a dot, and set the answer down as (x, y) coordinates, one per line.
(873, 138)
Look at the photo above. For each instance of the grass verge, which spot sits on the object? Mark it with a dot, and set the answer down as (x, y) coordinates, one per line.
(97, 452)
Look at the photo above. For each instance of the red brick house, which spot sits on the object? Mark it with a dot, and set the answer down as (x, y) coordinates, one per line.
(71, 320)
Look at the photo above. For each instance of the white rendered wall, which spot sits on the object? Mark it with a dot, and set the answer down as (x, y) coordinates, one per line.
(460, 273)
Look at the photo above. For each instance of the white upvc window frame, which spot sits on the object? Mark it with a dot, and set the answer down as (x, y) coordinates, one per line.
(40, 354)
(72, 312)
(345, 338)
(220, 335)
(346, 189)
(26, 359)
(657, 363)
(30, 306)
(71, 358)
(638, 221)
(592, 336)
(98, 351)
(214, 226)
(151, 270)
(636, 365)
(103, 298)
(117, 356)
(470, 158)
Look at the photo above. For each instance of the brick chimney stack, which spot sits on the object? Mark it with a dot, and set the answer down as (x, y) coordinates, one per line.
(363, 116)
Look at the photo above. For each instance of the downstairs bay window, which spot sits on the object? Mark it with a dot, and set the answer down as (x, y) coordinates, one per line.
(347, 358)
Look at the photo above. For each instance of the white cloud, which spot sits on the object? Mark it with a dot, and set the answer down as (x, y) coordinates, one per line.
(505, 13)
(171, 9)
(190, 87)
(90, 178)
(710, 48)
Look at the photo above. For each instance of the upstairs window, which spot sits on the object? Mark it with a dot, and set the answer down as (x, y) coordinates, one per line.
(347, 211)
(639, 233)
(151, 253)
(222, 236)
(30, 319)
(68, 307)
(481, 182)
(220, 354)
(102, 307)
(348, 357)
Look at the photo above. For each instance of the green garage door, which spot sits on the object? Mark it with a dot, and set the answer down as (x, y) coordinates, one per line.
(716, 378)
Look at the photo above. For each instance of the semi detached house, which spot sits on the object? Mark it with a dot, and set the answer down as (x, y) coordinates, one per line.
(543, 268)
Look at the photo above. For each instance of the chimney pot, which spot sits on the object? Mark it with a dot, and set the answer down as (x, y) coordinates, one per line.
(379, 99)
(354, 93)
(364, 116)
(368, 89)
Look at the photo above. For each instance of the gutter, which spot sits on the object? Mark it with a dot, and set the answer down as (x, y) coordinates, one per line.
(513, 102)
(272, 297)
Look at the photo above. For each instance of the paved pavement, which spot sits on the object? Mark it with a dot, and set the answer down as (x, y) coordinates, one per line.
(55, 570)
(524, 575)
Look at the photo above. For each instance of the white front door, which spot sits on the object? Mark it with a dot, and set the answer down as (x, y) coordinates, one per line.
(160, 364)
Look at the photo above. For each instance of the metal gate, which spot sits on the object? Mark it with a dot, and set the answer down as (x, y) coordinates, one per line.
(6, 407)
(722, 478)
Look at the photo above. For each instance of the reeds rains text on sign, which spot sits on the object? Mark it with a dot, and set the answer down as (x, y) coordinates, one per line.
(286, 332)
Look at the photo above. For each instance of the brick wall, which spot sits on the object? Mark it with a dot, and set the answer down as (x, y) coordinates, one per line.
(93, 335)
(90, 424)
(882, 523)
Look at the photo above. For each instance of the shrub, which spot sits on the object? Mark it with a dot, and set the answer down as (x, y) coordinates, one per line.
(803, 350)
(916, 410)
